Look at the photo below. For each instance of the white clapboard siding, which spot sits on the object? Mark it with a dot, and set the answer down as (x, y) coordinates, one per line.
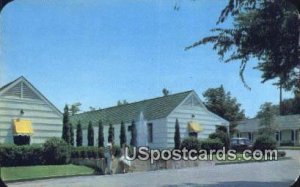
(46, 119)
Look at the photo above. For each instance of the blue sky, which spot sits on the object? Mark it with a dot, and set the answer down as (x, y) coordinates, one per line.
(98, 52)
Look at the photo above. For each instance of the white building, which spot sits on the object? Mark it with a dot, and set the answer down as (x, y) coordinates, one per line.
(25, 112)
(288, 128)
(155, 119)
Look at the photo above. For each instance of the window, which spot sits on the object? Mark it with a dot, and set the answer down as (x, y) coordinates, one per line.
(277, 136)
(150, 132)
(129, 128)
(193, 134)
(292, 135)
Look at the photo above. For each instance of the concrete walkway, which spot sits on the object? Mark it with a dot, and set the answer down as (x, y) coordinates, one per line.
(264, 174)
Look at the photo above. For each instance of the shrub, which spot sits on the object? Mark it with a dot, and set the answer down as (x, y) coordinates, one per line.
(87, 152)
(190, 143)
(212, 144)
(12, 155)
(56, 151)
(264, 142)
(222, 136)
(116, 150)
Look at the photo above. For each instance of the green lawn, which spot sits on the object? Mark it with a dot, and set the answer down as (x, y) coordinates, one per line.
(289, 148)
(38, 172)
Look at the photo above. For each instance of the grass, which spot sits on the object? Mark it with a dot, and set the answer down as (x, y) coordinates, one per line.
(40, 172)
(289, 148)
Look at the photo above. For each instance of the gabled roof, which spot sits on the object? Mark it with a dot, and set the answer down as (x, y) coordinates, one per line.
(6, 87)
(282, 122)
(155, 108)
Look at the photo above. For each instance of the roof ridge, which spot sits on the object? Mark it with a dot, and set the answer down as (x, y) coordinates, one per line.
(135, 102)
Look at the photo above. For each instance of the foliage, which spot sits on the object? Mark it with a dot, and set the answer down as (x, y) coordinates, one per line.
(223, 104)
(212, 144)
(100, 135)
(133, 141)
(191, 143)
(71, 134)
(222, 136)
(111, 134)
(116, 150)
(177, 140)
(165, 92)
(79, 135)
(66, 135)
(266, 116)
(90, 134)
(264, 30)
(264, 142)
(75, 108)
(56, 151)
(26, 155)
(124, 102)
(87, 152)
(123, 138)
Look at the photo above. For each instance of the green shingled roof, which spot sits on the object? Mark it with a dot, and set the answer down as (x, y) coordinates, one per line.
(155, 108)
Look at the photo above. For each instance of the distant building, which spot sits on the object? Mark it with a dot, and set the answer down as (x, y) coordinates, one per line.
(288, 128)
(155, 119)
(27, 115)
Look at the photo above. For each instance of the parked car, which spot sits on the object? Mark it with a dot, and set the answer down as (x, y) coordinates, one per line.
(240, 144)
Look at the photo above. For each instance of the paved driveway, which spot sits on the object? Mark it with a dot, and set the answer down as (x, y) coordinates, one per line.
(272, 174)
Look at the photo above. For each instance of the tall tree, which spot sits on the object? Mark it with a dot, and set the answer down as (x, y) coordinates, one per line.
(222, 103)
(90, 134)
(66, 135)
(71, 134)
(111, 134)
(123, 138)
(177, 140)
(133, 141)
(100, 135)
(79, 135)
(124, 102)
(267, 119)
(75, 108)
(264, 30)
(165, 92)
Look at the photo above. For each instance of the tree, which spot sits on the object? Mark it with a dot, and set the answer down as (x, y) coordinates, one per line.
(177, 140)
(66, 135)
(165, 92)
(75, 108)
(123, 138)
(223, 104)
(79, 135)
(90, 134)
(111, 134)
(3, 3)
(133, 141)
(266, 31)
(266, 116)
(124, 102)
(71, 134)
(100, 135)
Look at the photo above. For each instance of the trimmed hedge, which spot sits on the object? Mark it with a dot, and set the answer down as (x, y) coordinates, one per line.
(264, 142)
(212, 144)
(87, 152)
(25, 155)
(56, 151)
(222, 136)
(191, 143)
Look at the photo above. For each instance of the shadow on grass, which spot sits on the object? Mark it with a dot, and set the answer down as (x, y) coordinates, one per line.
(236, 184)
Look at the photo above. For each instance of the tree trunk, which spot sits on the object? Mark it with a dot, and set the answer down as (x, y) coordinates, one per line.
(280, 99)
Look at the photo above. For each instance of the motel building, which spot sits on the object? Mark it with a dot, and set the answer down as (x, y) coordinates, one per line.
(155, 120)
(287, 134)
(26, 116)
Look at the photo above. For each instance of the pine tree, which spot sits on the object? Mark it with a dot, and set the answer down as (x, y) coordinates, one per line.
(177, 135)
(79, 135)
(90, 134)
(133, 140)
(100, 135)
(122, 134)
(111, 134)
(71, 134)
(66, 126)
